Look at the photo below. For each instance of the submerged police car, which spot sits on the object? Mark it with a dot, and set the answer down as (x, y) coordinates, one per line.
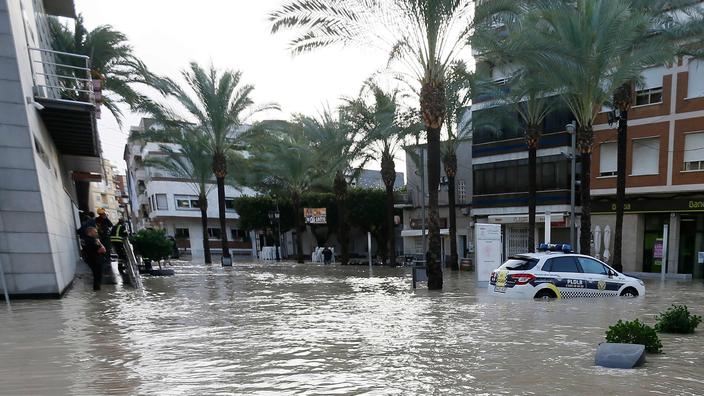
(556, 272)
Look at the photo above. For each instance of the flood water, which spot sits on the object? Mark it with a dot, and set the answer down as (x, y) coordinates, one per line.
(310, 329)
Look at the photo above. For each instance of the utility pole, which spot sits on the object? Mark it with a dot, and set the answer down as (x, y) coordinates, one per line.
(572, 129)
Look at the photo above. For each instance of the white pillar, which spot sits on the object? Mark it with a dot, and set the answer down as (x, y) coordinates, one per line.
(547, 221)
(665, 230)
(369, 248)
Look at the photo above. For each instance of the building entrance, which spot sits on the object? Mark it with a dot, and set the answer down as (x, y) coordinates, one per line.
(691, 244)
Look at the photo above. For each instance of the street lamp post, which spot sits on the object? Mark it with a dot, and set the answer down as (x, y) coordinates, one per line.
(275, 216)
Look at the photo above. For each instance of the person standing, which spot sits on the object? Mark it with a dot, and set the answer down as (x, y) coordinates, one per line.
(93, 252)
(327, 255)
(117, 239)
(104, 225)
(89, 221)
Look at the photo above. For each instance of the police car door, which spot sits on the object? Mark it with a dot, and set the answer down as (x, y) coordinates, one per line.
(597, 275)
(567, 276)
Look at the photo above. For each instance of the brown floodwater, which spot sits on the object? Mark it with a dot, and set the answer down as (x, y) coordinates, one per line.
(310, 329)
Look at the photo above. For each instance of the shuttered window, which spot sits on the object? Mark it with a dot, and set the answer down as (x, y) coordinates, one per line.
(607, 159)
(646, 156)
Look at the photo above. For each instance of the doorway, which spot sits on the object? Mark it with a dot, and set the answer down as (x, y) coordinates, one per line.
(691, 243)
(652, 237)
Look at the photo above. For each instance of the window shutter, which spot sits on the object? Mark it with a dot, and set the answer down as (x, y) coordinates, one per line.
(646, 156)
(607, 161)
(695, 84)
(161, 202)
(694, 147)
(652, 78)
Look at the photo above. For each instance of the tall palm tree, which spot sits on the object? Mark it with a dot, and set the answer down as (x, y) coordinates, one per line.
(423, 37)
(284, 161)
(339, 142)
(217, 106)
(584, 50)
(378, 115)
(190, 160)
(112, 59)
(458, 93)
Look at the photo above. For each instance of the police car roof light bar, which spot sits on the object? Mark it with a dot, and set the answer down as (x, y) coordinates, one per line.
(543, 247)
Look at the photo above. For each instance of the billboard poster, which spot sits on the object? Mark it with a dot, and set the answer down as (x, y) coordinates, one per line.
(488, 249)
(315, 215)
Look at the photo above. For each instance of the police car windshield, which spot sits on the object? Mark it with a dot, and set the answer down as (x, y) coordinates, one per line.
(519, 263)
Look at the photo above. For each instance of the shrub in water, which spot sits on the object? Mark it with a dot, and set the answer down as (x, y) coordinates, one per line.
(635, 332)
(152, 244)
(677, 319)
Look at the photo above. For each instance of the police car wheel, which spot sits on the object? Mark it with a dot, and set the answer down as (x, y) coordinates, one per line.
(629, 292)
(545, 295)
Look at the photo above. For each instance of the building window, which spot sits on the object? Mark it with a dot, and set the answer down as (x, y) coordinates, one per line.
(418, 245)
(213, 233)
(187, 202)
(646, 157)
(607, 159)
(182, 233)
(161, 202)
(461, 192)
(239, 235)
(649, 96)
(230, 204)
(695, 81)
(694, 151)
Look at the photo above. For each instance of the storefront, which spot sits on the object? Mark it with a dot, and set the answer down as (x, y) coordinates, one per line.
(643, 234)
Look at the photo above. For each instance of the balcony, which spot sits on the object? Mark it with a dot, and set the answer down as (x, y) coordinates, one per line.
(65, 98)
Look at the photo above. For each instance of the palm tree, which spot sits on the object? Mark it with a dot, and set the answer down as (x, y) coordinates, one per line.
(112, 60)
(190, 160)
(380, 123)
(458, 93)
(340, 143)
(217, 106)
(423, 36)
(284, 161)
(584, 50)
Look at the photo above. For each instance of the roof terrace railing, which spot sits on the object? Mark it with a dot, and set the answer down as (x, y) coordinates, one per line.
(62, 76)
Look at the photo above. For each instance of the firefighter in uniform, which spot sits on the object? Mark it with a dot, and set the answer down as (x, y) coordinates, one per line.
(117, 239)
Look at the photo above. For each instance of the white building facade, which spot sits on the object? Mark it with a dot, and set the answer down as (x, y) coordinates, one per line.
(49, 151)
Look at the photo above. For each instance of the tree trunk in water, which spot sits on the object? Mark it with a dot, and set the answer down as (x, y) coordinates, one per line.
(532, 194)
(622, 100)
(585, 137)
(223, 219)
(622, 152)
(343, 228)
(390, 229)
(433, 257)
(300, 227)
(204, 224)
(450, 162)
(432, 108)
(388, 175)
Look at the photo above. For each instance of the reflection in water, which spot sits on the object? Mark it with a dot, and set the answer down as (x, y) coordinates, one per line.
(285, 328)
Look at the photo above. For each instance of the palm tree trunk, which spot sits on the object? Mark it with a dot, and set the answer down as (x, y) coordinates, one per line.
(223, 219)
(623, 99)
(532, 193)
(432, 108)
(204, 225)
(450, 162)
(388, 175)
(390, 229)
(343, 228)
(585, 136)
(434, 263)
(298, 225)
(621, 159)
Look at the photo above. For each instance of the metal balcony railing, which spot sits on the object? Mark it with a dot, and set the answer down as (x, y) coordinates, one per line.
(61, 76)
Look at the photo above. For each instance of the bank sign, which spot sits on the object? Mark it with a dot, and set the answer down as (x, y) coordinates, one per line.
(315, 215)
(651, 205)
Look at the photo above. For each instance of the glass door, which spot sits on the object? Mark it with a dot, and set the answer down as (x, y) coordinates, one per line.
(691, 244)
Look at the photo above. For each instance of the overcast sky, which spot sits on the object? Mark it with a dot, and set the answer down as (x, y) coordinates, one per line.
(234, 34)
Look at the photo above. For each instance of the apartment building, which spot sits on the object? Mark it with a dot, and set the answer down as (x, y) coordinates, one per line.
(49, 150)
(412, 202)
(161, 200)
(104, 194)
(500, 168)
(371, 178)
(665, 173)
